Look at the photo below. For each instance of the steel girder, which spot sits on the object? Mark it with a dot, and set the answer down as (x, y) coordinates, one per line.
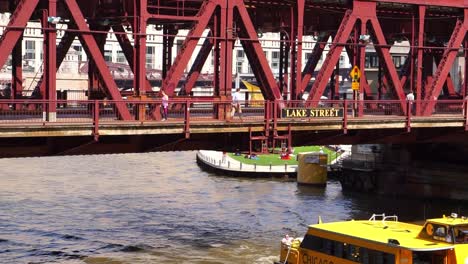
(15, 28)
(332, 57)
(62, 49)
(139, 64)
(299, 19)
(254, 52)
(365, 12)
(313, 60)
(177, 69)
(420, 57)
(92, 48)
(227, 37)
(220, 16)
(50, 59)
(197, 65)
(127, 50)
(450, 52)
(17, 71)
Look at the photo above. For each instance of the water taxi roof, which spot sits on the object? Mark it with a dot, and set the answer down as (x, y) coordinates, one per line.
(382, 231)
(450, 221)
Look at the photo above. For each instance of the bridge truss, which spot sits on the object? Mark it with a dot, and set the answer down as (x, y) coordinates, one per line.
(436, 32)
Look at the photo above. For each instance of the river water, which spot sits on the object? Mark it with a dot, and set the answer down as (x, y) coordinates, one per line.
(162, 208)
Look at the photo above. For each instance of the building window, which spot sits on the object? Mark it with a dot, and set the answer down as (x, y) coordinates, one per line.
(79, 51)
(30, 50)
(150, 51)
(372, 61)
(275, 65)
(108, 53)
(121, 57)
(342, 60)
(179, 45)
(396, 61)
(275, 55)
(239, 67)
(240, 54)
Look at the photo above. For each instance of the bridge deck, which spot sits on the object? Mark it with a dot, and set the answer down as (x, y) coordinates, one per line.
(75, 118)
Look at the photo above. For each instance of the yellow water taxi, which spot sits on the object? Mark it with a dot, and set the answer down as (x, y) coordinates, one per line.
(380, 240)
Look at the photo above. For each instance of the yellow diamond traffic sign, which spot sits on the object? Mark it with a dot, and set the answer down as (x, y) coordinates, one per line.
(355, 74)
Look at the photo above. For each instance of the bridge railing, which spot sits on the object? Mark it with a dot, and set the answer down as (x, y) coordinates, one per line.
(205, 110)
(36, 111)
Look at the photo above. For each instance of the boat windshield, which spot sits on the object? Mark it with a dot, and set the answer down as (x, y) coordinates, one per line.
(461, 234)
(450, 234)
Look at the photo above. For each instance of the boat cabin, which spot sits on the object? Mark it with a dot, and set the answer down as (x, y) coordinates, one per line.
(381, 240)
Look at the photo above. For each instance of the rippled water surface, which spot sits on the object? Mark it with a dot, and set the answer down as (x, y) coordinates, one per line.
(161, 208)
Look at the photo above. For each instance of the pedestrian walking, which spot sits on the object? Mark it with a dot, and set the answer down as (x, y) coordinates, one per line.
(164, 105)
(236, 106)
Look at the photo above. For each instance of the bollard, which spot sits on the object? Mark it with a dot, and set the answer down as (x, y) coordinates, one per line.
(286, 167)
(270, 166)
(229, 164)
(241, 166)
(220, 163)
(255, 166)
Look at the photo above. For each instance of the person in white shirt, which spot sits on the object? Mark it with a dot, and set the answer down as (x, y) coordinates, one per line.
(410, 98)
(164, 105)
(236, 106)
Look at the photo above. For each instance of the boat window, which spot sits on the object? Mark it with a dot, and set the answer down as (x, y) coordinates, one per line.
(338, 246)
(461, 234)
(433, 257)
(347, 251)
(437, 232)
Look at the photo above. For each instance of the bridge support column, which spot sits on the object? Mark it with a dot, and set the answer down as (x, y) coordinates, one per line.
(17, 71)
(50, 62)
(300, 32)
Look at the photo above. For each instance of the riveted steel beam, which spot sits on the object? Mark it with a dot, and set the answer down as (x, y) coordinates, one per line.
(127, 49)
(14, 31)
(92, 49)
(443, 69)
(255, 54)
(177, 69)
(197, 66)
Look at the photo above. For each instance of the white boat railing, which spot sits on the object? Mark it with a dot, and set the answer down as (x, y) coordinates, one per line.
(383, 217)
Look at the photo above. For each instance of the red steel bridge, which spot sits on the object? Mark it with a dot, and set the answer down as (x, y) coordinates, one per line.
(435, 30)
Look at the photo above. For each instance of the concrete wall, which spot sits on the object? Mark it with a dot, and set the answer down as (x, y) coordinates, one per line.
(418, 170)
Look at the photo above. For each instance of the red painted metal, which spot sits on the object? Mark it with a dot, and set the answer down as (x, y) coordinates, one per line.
(254, 52)
(313, 60)
(420, 52)
(62, 49)
(333, 56)
(127, 50)
(177, 69)
(450, 3)
(89, 44)
(15, 28)
(226, 45)
(197, 66)
(139, 65)
(96, 120)
(446, 62)
(384, 53)
(300, 33)
(17, 71)
(50, 60)
(233, 20)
